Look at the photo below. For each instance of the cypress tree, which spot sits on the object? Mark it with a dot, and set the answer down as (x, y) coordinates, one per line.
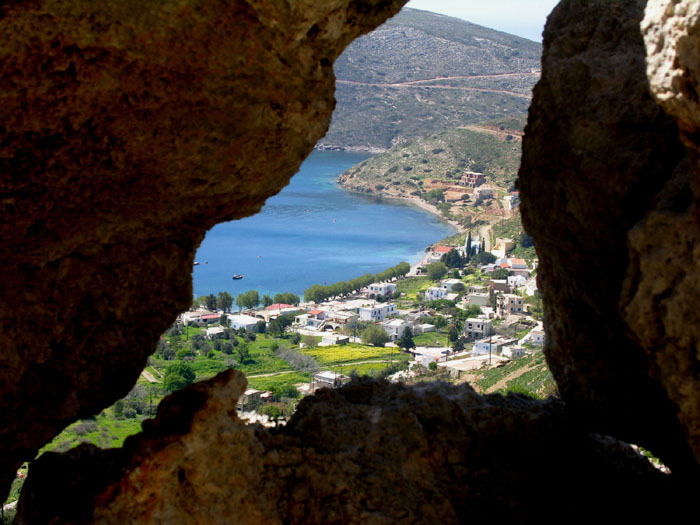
(468, 251)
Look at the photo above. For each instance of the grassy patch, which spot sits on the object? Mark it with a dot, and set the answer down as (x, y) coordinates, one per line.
(412, 285)
(269, 382)
(328, 355)
(431, 339)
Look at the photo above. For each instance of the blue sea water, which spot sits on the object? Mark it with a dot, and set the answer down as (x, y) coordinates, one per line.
(313, 232)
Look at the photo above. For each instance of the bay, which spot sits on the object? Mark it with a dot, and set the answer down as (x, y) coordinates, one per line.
(314, 232)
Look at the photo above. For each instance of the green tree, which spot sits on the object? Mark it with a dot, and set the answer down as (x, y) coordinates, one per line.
(224, 301)
(458, 287)
(286, 298)
(267, 301)
(178, 376)
(374, 335)
(210, 301)
(500, 273)
(436, 271)
(243, 353)
(406, 339)
(249, 299)
(433, 366)
(296, 338)
(274, 328)
(483, 257)
(453, 259)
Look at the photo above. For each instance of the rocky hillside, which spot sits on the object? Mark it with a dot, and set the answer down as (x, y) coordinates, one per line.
(415, 167)
(421, 73)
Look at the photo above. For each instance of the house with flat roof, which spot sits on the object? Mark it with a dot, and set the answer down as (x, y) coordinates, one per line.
(238, 321)
(509, 304)
(472, 179)
(496, 342)
(382, 288)
(328, 379)
(378, 312)
(477, 328)
(448, 284)
(395, 328)
(434, 293)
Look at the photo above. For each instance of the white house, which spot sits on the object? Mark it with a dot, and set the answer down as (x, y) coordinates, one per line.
(479, 299)
(395, 328)
(237, 321)
(434, 293)
(512, 352)
(382, 288)
(328, 379)
(212, 332)
(448, 284)
(516, 280)
(497, 343)
(378, 312)
(537, 337)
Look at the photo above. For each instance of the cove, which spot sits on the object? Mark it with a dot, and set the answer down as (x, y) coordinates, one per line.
(314, 232)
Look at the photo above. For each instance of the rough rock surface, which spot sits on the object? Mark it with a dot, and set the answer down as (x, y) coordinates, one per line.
(370, 452)
(128, 129)
(599, 155)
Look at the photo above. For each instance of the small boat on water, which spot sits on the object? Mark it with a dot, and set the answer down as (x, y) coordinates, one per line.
(237, 276)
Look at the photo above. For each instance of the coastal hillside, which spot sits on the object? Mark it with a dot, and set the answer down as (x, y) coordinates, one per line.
(421, 73)
(440, 160)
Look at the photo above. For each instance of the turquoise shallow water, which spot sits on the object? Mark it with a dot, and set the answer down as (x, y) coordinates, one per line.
(313, 231)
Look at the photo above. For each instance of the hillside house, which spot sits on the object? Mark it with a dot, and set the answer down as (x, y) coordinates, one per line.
(483, 193)
(237, 321)
(434, 293)
(472, 179)
(496, 342)
(395, 328)
(378, 312)
(382, 288)
(477, 328)
(328, 379)
(502, 247)
(478, 299)
(213, 332)
(509, 304)
(512, 201)
(448, 284)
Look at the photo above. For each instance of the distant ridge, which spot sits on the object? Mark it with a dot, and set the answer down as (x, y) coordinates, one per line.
(422, 73)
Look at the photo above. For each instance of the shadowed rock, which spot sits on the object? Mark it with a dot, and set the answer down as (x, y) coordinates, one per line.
(370, 452)
(127, 130)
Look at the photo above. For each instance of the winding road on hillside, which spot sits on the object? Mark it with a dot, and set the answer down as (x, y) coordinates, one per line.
(421, 83)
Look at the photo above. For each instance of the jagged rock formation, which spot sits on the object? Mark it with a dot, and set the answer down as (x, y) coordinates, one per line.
(128, 130)
(605, 185)
(129, 138)
(369, 453)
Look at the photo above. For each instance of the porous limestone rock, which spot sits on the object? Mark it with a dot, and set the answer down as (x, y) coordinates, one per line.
(660, 296)
(127, 130)
(605, 195)
(370, 452)
(671, 31)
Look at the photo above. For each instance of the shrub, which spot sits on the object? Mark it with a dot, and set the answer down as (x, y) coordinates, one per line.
(85, 428)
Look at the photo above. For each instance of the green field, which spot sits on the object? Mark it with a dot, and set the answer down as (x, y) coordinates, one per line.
(335, 354)
(431, 339)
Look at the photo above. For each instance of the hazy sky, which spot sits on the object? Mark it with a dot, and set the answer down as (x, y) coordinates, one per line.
(524, 18)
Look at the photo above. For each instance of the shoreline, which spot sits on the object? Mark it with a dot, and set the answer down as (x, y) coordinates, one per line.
(415, 201)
